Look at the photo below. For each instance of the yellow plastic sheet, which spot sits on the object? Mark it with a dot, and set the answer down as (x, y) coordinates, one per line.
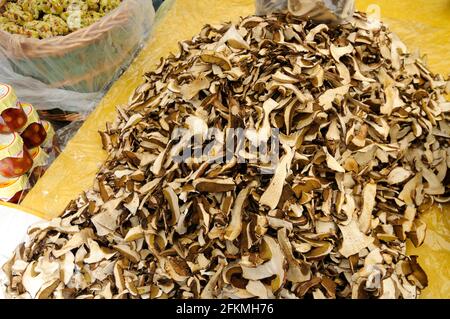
(422, 24)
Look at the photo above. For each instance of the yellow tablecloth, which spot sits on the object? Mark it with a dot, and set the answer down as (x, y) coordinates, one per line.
(422, 24)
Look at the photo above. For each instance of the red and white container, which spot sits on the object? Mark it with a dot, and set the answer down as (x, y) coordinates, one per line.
(40, 163)
(33, 133)
(50, 144)
(12, 190)
(15, 160)
(12, 116)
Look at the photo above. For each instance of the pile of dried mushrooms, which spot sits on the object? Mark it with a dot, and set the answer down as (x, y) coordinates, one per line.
(364, 150)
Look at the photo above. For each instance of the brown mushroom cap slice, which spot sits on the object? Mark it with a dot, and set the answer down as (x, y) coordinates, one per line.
(273, 267)
(418, 233)
(368, 194)
(215, 185)
(398, 175)
(273, 193)
(128, 253)
(320, 252)
(97, 253)
(298, 271)
(418, 276)
(208, 291)
(234, 39)
(353, 239)
(235, 226)
(216, 58)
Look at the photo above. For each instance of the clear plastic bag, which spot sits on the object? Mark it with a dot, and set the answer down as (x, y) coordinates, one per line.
(329, 11)
(71, 72)
(43, 96)
(268, 6)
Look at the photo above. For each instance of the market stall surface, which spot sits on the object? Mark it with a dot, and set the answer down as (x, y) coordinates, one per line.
(420, 24)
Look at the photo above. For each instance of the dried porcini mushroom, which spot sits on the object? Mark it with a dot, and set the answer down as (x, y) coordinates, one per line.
(364, 133)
